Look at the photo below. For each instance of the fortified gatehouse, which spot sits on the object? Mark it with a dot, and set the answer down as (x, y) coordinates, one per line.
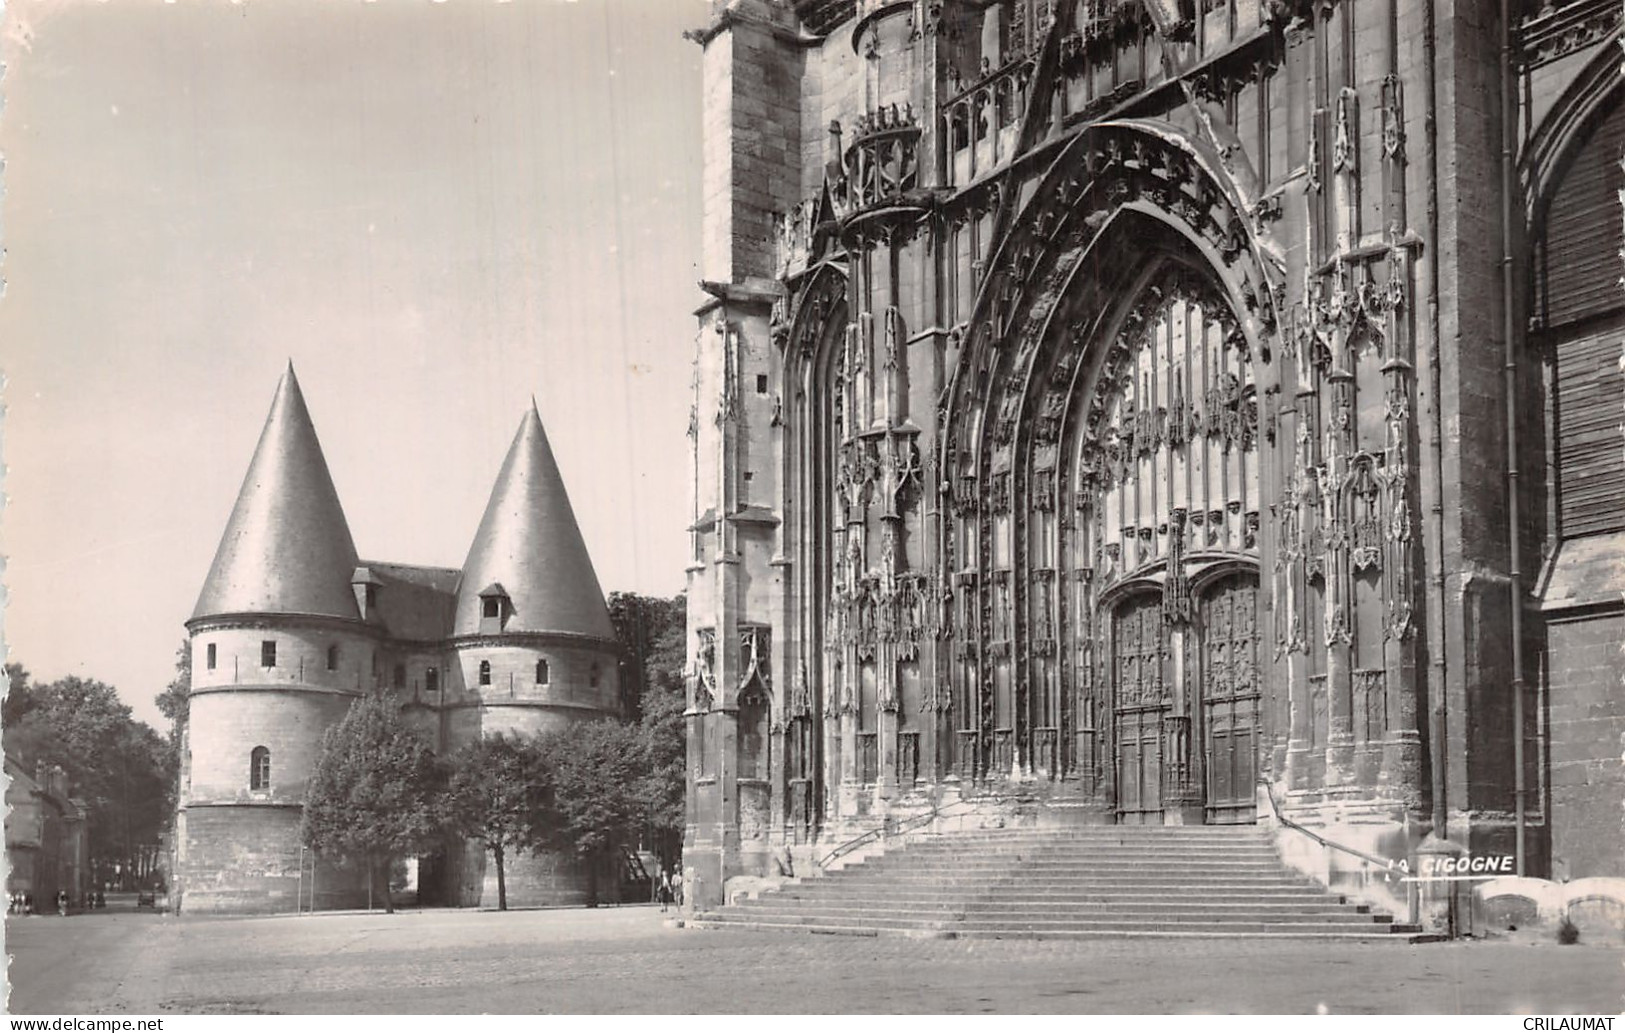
(291, 627)
(1107, 409)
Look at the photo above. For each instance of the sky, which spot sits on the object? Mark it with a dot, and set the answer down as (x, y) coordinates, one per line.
(434, 210)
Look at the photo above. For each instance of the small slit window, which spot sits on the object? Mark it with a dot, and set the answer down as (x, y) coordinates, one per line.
(592, 679)
(541, 672)
(431, 679)
(332, 658)
(211, 656)
(259, 769)
(268, 653)
(485, 672)
(761, 383)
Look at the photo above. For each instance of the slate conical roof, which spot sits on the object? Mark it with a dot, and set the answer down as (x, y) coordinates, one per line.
(287, 547)
(530, 545)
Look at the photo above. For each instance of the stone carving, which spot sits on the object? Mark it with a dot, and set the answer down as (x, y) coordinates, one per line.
(755, 655)
(705, 669)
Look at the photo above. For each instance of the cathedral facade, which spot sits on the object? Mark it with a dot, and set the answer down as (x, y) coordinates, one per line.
(291, 627)
(1159, 411)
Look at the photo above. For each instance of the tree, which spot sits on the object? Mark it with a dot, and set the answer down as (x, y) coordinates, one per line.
(375, 792)
(174, 702)
(120, 767)
(19, 696)
(653, 636)
(596, 772)
(496, 795)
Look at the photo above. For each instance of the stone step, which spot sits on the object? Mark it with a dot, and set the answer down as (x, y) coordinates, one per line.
(977, 919)
(1063, 842)
(1093, 878)
(1239, 930)
(1099, 850)
(1065, 884)
(969, 907)
(1065, 898)
(983, 867)
(1105, 919)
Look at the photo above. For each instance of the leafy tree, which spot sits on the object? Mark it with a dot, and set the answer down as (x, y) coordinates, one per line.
(375, 792)
(496, 794)
(122, 769)
(19, 696)
(653, 636)
(596, 772)
(174, 702)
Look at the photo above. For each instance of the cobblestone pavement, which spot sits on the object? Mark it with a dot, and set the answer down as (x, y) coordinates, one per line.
(626, 960)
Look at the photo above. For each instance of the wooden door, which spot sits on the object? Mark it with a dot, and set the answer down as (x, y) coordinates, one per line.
(1230, 700)
(1139, 647)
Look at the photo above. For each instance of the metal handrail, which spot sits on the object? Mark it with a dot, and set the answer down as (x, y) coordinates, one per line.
(1385, 863)
(887, 828)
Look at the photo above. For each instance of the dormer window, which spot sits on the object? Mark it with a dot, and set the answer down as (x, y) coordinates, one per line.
(495, 606)
(365, 585)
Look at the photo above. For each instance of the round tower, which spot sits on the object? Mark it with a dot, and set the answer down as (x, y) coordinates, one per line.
(280, 649)
(534, 647)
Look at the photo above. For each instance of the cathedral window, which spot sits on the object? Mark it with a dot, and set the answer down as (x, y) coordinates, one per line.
(259, 769)
(332, 658)
(541, 672)
(211, 655)
(268, 653)
(485, 672)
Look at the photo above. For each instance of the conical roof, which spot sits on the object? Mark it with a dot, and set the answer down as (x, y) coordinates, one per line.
(287, 547)
(530, 545)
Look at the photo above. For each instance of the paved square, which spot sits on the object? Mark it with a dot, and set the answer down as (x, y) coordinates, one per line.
(627, 960)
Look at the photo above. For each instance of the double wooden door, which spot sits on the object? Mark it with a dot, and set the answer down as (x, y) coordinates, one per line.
(1155, 721)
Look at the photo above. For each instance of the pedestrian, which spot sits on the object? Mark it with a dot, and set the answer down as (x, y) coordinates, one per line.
(101, 899)
(28, 903)
(665, 888)
(677, 887)
(62, 903)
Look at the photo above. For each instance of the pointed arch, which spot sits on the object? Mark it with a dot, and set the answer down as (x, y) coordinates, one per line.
(1133, 299)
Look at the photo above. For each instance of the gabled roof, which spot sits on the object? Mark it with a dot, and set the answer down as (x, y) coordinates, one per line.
(529, 543)
(414, 603)
(287, 547)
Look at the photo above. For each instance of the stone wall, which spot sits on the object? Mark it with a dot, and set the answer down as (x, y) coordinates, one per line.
(246, 858)
(1587, 723)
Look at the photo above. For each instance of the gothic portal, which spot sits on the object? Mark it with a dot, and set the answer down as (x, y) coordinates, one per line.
(1120, 411)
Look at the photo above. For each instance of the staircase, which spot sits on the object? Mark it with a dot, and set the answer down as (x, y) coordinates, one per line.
(1079, 883)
